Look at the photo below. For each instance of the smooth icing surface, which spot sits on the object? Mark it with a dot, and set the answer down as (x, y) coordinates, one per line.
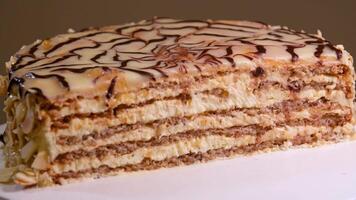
(108, 60)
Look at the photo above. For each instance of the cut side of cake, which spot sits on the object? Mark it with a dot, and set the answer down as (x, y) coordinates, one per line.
(165, 92)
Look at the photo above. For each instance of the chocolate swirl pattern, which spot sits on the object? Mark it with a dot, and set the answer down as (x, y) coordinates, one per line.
(157, 48)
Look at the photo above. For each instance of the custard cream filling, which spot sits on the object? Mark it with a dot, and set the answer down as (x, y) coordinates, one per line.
(198, 104)
(194, 145)
(200, 122)
(157, 153)
(240, 80)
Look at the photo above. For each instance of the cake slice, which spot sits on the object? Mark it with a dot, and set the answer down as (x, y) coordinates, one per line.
(164, 92)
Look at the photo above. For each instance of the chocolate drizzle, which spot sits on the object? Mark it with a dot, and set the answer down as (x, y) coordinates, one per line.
(259, 71)
(290, 49)
(96, 57)
(338, 52)
(2, 139)
(319, 50)
(71, 41)
(111, 88)
(37, 91)
(16, 82)
(260, 49)
(60, 78)
(156, 48)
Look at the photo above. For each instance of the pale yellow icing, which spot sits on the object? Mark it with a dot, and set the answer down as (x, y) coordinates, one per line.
(130, 56)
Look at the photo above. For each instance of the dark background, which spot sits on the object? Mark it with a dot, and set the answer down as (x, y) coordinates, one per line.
(22, 22)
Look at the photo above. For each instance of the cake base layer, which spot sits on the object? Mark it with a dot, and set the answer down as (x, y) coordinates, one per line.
(199, 157)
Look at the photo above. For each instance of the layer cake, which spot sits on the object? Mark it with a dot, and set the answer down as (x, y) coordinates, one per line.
(166, 92)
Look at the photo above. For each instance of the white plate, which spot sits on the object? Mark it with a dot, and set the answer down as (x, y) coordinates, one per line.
(327, 172)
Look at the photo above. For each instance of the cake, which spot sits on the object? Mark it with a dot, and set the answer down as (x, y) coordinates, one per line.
(166, 92)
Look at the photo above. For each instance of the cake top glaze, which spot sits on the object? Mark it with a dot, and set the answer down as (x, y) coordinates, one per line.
(93, 60)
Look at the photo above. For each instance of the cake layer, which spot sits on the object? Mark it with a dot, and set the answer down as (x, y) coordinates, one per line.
(301, 78)
(190, 145)
(317, 113)
(122, 148)
(215, 104)
(191, 158)
(203, 144)
(197, 103)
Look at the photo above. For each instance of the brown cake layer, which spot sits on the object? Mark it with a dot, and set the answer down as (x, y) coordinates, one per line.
(192, 158)
(284, 107)
(330, 120)
(294, 82)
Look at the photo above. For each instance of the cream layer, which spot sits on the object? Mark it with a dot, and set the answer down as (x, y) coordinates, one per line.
(198, 104)
(195, 145)
(286, 145)
(244, 82)
(201, 122)
(176, 108)
(157, 153)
